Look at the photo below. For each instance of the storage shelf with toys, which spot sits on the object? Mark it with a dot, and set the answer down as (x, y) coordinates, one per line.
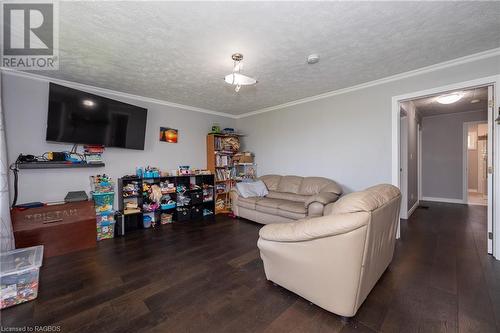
(150, 201)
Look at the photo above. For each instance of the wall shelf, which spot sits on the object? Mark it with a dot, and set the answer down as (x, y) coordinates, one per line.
(58, 165)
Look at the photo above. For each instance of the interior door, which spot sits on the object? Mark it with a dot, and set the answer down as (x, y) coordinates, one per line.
(490, 170)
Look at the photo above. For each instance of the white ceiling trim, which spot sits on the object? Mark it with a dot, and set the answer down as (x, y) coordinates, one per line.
(93, 89)
(415, 72)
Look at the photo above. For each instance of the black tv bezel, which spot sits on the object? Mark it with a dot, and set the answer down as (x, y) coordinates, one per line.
(52, 84)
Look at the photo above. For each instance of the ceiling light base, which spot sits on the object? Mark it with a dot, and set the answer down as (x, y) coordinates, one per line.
(237, 57)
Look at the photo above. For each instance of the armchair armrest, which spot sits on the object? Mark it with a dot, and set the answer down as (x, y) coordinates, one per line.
(323, 198)
(319, 227)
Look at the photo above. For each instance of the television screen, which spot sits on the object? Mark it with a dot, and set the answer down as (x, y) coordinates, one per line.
(79, 117)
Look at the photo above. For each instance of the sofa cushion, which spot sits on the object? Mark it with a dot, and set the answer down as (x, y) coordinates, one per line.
(285, 208)
(288, 196)
(315, 185)
(248, 202)
(271, 181)
(294, 207)
(269, 202)
(268, 205)
(367, 200)
(291, 215)
(290, 184)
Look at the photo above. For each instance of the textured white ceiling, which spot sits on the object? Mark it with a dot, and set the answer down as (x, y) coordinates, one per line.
(180, 52)
(429, 106)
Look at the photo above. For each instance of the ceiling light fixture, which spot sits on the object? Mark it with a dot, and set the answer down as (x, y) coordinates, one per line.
(236, 78)
(88, 102)
(474, 101)
(449, 98)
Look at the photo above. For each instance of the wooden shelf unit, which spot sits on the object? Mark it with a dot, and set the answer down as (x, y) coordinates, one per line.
(214, 150)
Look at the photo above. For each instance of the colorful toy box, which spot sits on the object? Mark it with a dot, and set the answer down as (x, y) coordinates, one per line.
(105, 223)
(103, 201)
(19, 272)
(105, 226)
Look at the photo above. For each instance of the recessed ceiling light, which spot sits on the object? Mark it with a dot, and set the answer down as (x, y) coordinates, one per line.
(475, 101)
(449, 98)
(88, 102)
(313, 59)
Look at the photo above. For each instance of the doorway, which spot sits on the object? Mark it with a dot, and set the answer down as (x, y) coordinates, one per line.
(488, 143)
(476, 154)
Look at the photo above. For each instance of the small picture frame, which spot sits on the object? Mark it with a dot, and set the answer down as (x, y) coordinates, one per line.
(170, 135)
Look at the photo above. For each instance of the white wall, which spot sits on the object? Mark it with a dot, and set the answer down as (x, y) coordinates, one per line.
(443, 154)
(346, 137)
(25, 103)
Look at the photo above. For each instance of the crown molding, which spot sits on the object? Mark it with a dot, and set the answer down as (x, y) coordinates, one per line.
(392, 78)
(94, 89)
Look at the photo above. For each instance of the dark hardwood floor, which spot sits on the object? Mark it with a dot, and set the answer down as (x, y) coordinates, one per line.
(208, 277)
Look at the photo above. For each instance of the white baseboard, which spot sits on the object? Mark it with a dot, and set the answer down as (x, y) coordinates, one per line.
(412, 209)
(446, 200)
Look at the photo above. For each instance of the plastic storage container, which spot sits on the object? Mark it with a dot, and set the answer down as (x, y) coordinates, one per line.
(105, 226)
(19, 271)
(146, 221)
(103, 201)
(105, 230)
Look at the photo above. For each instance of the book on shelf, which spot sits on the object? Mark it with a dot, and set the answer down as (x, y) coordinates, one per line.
(222, 174)
(223, 161)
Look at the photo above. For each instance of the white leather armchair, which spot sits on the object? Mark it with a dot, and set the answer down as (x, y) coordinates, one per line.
(335, 260)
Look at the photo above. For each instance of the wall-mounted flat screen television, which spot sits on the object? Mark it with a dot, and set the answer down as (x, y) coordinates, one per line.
(79, 117)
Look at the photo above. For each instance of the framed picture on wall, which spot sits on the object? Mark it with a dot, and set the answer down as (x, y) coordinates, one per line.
(169, 135)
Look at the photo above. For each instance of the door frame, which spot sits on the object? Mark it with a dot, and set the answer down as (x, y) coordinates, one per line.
(403, 174)
(395, 167)
(465, 162)
(419, 162)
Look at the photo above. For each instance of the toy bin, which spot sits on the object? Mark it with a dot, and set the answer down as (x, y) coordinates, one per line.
(105, 226)
(19, 271)
(166, 206)
(146, 221)
(103, 201)
(105, 230)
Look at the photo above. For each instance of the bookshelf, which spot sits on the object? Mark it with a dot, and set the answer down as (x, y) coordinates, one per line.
(220, 151)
